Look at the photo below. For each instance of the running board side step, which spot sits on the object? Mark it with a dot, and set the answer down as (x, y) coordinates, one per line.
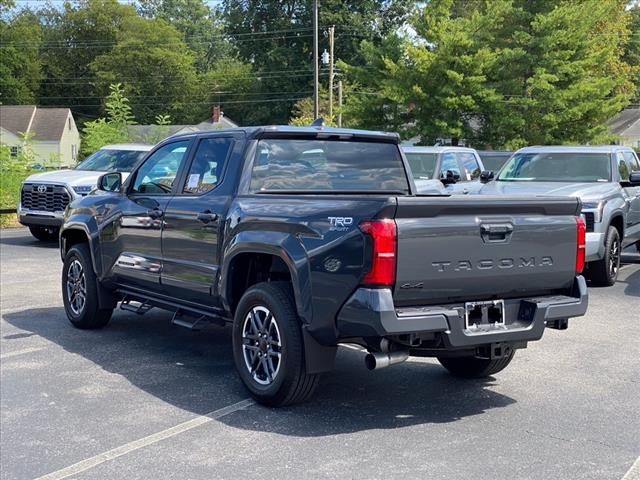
(183, 315)
(193, 323)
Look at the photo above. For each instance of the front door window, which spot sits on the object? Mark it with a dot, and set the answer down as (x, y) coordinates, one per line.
(158, 173)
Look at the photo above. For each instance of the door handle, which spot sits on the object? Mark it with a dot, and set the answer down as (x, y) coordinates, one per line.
(207, 216)
(496, 233)
(154, 213)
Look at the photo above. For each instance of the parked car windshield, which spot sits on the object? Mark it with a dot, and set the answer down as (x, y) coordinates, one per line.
(557, 167)
(327, 165)
(423, 165)
(111, 160)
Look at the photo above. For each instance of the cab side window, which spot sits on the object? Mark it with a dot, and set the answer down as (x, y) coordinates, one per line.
(623, 168)
(158, 173)
(469, 162)
(207, 166)
(449, 162)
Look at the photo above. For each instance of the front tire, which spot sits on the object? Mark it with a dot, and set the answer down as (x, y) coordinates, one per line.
(604, 272)
(268, 349)
(474, 367)
(44, 234)
(80, 290)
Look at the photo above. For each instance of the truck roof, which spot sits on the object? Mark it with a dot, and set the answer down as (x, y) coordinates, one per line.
(274, 131)
(134, 147)
(574, 149)
(437, 149)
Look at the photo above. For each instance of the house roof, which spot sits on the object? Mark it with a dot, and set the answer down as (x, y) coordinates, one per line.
(47, 124)
(16, 119)
(626, 123)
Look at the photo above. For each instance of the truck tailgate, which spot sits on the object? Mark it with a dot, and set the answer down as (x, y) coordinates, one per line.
(483, 247)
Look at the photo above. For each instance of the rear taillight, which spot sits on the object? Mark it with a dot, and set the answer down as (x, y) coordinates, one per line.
(581, 228)
(383, 262)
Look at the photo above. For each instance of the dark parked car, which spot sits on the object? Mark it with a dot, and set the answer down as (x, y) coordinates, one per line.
(305, 238)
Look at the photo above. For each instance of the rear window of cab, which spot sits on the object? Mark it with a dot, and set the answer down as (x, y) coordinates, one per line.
(327, 165)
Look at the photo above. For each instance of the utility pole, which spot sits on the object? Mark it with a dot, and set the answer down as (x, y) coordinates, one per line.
(331, 63)
(340, 103)
(316, 66)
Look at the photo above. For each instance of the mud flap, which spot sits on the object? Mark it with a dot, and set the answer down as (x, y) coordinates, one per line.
(318, 358)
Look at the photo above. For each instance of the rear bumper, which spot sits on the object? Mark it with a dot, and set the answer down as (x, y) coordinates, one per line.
(371, 313)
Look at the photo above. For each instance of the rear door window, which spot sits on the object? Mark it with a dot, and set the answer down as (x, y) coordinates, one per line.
(208, 162)
(327, 165)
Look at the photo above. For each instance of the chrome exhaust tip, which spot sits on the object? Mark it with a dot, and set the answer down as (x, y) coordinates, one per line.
(378, 360)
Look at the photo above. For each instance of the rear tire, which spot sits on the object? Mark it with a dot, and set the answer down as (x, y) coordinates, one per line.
(44, 234)
(268, 348)
(474, 367)
(604, 272)
(80, 290)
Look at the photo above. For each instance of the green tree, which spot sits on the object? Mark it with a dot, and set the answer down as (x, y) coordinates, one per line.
(113, 128)
(73, 37)
(276, 37)
(20, 66)
(156, 68)
(632, 50)
(508, 72)
(231, 83)
(201, 26)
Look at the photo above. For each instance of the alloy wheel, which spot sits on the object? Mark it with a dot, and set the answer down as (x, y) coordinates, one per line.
(614, 258)
(261, 345)
(76, 287)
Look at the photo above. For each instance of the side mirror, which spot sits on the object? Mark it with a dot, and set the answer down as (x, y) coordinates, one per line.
(634, 179)
(110, 182)
(486, 176)
(449, 178)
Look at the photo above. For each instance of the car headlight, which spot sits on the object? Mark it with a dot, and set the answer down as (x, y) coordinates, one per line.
(83, 189)
(594, 207)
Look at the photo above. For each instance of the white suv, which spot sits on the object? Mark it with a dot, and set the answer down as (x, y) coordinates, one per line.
(44, 196)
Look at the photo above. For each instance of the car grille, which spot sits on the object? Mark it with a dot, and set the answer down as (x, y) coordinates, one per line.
(44, 198)
(589, 220)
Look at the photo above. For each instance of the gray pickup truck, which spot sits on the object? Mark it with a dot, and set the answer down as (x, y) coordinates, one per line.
(606, 179)
(306, 238)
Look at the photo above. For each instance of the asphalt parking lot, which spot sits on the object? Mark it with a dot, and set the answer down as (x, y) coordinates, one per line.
(143, 399)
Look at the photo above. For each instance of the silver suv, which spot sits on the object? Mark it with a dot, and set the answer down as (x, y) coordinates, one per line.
(606, 179)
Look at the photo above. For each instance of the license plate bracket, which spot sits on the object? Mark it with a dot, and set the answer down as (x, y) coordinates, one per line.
(484, 315)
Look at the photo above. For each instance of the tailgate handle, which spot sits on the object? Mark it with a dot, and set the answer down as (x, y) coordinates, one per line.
(496, 232)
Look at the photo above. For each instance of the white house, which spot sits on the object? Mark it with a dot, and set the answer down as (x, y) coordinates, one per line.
(627, 126)
(55, 139)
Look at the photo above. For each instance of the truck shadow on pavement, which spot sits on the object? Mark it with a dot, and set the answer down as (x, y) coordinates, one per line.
(194, 371)
(28, 242)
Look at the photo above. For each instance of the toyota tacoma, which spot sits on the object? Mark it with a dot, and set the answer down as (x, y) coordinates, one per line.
(303, 238)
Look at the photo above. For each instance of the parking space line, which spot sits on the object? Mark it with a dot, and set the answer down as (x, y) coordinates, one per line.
(145, 441)
(634, 471)
(21, 352)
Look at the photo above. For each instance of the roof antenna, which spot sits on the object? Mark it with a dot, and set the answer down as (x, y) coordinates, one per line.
(318, 122)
